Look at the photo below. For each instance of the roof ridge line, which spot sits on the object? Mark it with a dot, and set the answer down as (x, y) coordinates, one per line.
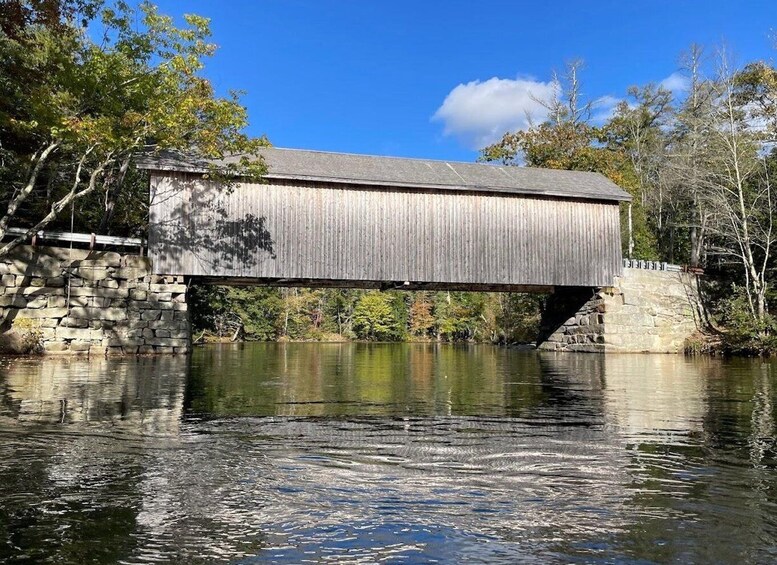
(421, 159)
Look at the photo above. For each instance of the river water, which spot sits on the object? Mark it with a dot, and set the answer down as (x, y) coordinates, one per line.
(395, 453)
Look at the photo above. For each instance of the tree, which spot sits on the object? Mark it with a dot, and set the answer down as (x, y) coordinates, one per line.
(736, 185)
(421, 317)
(461, 316)
(84, 110)
(518, 317)
(689, 151)
(374, 318)
(636, 130)
(721, 163)
(339, 305)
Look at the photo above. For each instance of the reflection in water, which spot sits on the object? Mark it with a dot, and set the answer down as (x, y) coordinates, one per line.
(102, 392)
(694, 430)
(74, 432)
(360, 379)
(365, 452)
(656, 397)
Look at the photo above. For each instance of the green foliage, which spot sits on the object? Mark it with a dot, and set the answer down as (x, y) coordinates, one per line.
(518, 318)
(339, 305)
(259, 310)
(326, 314)
(743, 333)
(302, 314)
(252, 313)
(460, 316)
(75, 113)
(376, 317)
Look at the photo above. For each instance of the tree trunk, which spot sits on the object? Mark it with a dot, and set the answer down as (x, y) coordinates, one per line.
(39, 159)
(112, 197)
(694, 247)
(58, 206)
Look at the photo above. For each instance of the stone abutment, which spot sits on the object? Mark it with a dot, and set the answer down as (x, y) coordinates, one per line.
(645, 311)
(60, 300)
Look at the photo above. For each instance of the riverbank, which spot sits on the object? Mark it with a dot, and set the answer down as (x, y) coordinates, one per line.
(205, 339)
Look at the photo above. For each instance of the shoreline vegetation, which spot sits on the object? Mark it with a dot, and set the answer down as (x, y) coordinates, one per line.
(227, 314)
(210, 339)
(222, 314)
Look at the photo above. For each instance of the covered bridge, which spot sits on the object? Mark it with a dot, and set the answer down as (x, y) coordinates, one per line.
(330, 219)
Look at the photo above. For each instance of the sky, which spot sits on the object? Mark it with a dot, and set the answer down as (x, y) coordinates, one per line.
(439, 79)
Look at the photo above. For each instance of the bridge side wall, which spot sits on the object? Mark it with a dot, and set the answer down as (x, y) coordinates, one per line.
(58, 300)
(645, 311)
(312, 231)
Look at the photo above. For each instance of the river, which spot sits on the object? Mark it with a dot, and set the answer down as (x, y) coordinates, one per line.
(391, 453)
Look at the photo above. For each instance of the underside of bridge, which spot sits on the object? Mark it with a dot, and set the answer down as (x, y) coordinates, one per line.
(371, 285)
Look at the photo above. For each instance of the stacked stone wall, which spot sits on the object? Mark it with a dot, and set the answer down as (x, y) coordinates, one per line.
(62, 300)
(645, 311)
(573, 320)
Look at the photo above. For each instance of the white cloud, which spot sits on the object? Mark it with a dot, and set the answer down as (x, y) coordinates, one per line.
(676, 82)
(479, 113)
(603, 108)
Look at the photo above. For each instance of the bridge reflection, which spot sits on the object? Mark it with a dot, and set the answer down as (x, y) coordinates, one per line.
(647, 397)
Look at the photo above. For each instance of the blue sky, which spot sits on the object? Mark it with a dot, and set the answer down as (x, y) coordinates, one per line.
(370, 77)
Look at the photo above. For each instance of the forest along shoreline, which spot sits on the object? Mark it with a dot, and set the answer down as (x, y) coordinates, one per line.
(222, 313)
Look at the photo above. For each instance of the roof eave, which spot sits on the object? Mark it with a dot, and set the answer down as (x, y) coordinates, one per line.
(452, 188)
(184, 167)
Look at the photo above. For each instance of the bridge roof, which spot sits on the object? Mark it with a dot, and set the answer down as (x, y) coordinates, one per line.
(423, 174)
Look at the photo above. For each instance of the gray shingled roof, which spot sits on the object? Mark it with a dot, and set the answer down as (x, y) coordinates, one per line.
(298, 164)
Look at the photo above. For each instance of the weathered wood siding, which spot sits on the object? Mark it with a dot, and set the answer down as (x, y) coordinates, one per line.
(302, 230)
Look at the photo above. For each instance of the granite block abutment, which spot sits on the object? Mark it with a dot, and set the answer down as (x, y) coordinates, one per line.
(645, 311)
(60, 300)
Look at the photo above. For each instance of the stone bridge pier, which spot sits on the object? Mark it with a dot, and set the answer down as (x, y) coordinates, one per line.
(61, 300)
(646, 311)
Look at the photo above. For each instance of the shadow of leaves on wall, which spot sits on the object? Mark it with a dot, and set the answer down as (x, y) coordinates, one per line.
(254, 237)
(194, 221)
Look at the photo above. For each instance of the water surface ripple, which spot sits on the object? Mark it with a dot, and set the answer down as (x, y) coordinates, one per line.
(358, 453)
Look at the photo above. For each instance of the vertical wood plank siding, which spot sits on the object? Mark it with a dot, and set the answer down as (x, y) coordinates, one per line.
(305, 230)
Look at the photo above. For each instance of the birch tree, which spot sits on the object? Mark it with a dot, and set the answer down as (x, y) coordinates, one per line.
(735, 188)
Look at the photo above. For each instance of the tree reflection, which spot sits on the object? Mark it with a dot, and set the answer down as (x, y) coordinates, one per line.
(298, 379)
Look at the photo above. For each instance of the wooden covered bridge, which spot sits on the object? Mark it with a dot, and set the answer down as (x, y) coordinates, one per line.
(329, 219)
